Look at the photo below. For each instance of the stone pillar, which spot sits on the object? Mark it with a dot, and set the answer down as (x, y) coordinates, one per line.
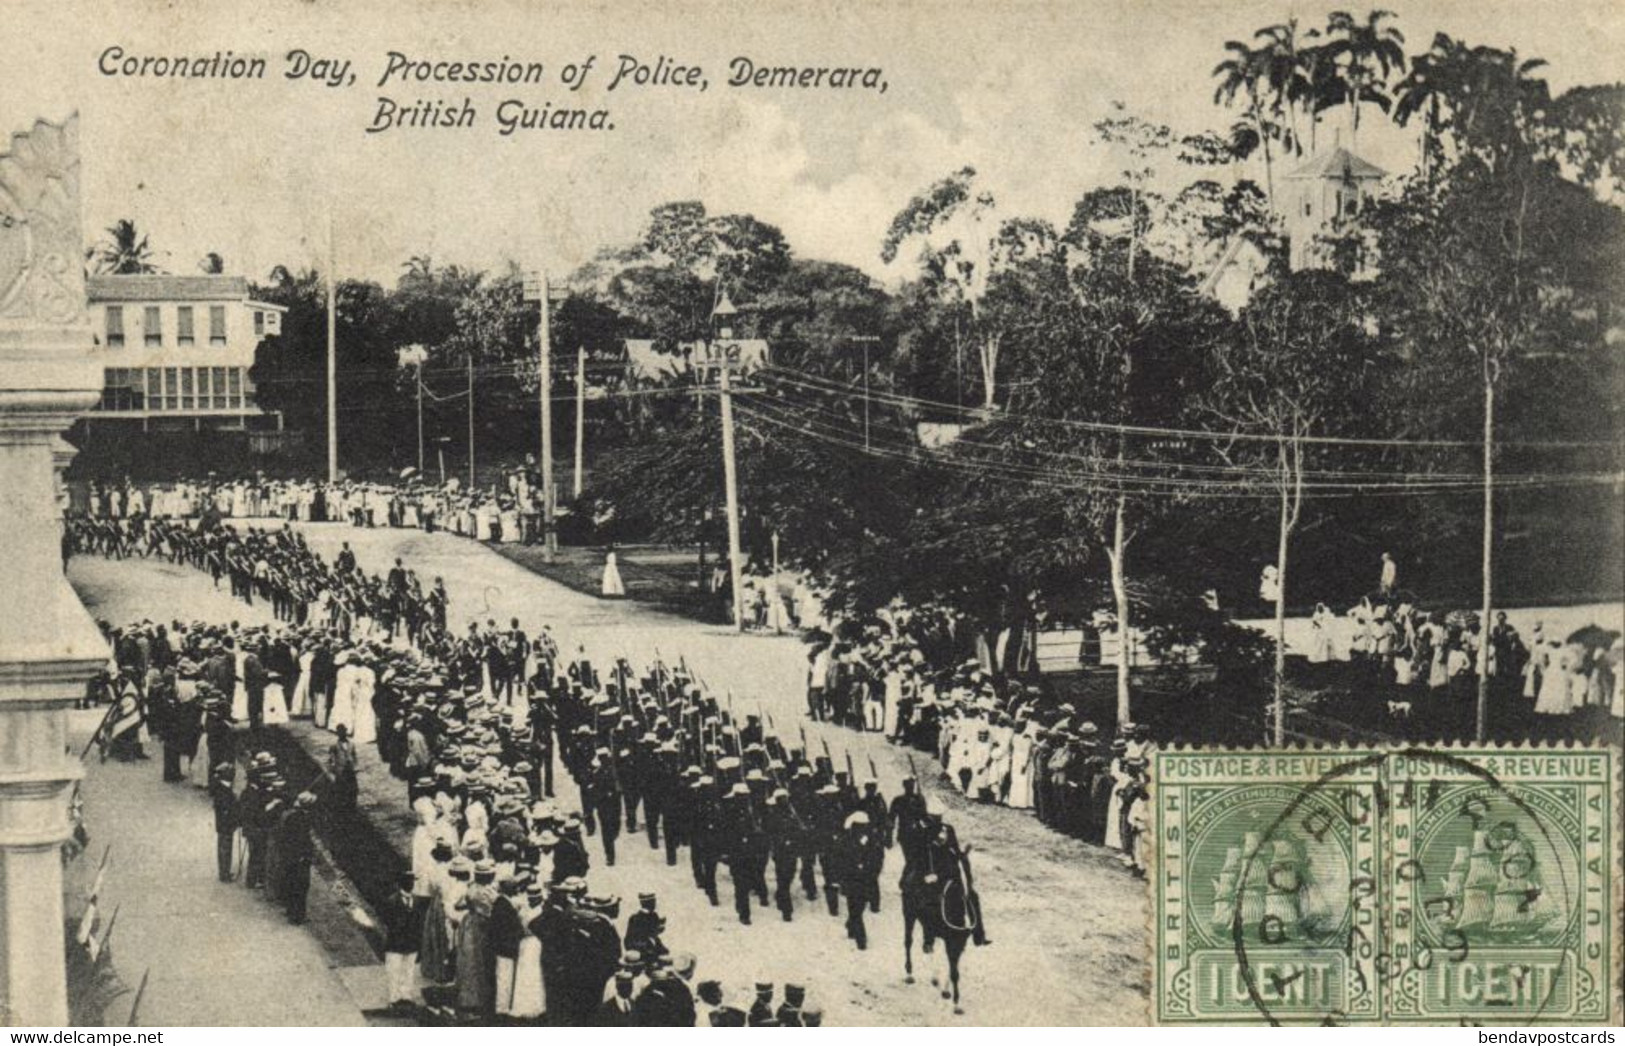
(49, 646)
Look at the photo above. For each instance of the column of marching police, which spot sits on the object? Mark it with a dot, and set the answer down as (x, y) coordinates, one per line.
(997, 741)
(496, 917)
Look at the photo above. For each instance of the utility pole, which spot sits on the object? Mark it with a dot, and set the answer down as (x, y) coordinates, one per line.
(777, 613)
(865, 340)
(332, 360)
(581, 418)
(731, 485)
(536, 286)
(471, 422)
(1481, 714)
(420, 416)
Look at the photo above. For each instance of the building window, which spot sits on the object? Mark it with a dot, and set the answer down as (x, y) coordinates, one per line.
(152, 325)
(188, 398)
(122, 389)
(234, 376)
(115, 325)
(1308, 209)
(217, 325)
(218, 383)
(183, 325)
(259, 323)
(172, 388)
(155, 389)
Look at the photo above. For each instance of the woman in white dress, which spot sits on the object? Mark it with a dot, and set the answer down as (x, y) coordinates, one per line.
(343, 711)
(1021, 775)
(301, 708)
(895, 681)
(1320, 635)
(510, 525)
(275, 712)
(365, 731)
(1121, 779)
(529, 993)
(1553, 698)
(239, 693)
(611, 585)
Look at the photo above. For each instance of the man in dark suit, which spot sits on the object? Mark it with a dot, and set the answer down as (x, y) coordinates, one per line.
(616, 1011)
(254, 680)
(225, 816)
(666, 1001)
(402, 924)
(220, 671)
(295, 851)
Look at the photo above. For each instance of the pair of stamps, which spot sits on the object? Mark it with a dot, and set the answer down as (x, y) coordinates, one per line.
(1387, 886)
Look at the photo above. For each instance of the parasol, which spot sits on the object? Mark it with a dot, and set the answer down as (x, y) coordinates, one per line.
(1594, 636)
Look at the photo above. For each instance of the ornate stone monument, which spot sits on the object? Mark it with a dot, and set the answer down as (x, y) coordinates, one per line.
(49, 646)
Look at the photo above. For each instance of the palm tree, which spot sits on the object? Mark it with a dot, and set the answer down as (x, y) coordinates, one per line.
(1367, 54)
(1289, 73)
(212, 264)
(1477, 100)
(1246, 73)
(418, 267)
(125, 252)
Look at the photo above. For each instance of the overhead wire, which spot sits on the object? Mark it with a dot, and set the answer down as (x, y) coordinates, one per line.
(787, 418)
(1177, 433)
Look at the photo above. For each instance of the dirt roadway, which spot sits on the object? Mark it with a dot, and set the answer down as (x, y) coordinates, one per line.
(1069, 924)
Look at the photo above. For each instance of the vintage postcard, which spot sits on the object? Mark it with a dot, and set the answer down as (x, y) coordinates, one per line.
(787, 514)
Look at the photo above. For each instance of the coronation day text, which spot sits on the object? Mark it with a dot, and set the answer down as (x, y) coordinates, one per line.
(406, 85)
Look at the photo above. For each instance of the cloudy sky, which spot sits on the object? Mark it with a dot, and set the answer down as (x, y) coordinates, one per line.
(253, 169)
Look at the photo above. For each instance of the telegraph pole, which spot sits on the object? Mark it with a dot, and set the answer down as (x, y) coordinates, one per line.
(332, 360)
(471, 422)
(420, 416)
(581, 417)
(731, 485)
(536, 286)
(865, 340)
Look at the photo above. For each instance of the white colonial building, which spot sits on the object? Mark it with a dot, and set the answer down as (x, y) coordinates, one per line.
(176, 350)
(1328, 192)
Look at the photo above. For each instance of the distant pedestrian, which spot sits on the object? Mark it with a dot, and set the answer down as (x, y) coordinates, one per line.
(402, 923)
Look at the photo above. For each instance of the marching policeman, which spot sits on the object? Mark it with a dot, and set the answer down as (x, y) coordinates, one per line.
(605, 791)
(859, 869)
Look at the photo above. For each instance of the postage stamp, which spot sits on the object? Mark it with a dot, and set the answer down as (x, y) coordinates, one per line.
(1387, 886)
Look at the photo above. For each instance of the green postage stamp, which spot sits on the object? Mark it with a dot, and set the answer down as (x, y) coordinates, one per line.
(1387, 886)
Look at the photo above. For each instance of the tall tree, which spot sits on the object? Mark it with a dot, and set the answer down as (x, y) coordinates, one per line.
(1502, 268)
(954, 224)
(1245, 75)
(1366, 53)
(1297, 366)
(124, 252)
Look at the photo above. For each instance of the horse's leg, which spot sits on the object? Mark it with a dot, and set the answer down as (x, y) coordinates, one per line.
(908, 944)
(955, 948)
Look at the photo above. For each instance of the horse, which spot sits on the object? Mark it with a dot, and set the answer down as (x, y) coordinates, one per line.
(940, 909)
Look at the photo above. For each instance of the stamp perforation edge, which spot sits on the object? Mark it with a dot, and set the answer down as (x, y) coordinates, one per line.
(1611, 962)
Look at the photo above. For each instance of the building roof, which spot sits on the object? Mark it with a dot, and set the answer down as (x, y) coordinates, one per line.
(147, 287)
(1340, 165)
